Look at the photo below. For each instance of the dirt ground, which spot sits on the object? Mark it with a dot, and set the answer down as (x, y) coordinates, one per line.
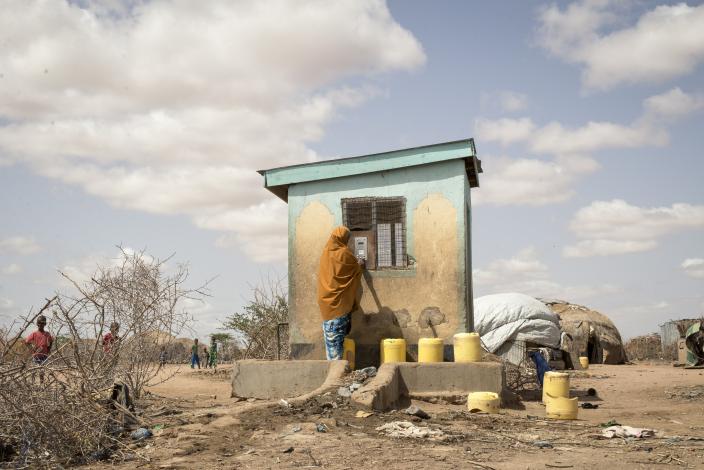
(198, 425)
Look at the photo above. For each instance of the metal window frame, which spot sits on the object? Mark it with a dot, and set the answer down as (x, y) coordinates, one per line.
(374, 200)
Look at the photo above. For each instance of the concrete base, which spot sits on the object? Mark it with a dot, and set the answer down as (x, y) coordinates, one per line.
(285, 379)
(365, 354)
(397, 381)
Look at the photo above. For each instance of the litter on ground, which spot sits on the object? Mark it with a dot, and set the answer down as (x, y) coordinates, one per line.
(627, 431)
(408, 429)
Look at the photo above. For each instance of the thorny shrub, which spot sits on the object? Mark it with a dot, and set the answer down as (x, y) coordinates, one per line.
(60, 412)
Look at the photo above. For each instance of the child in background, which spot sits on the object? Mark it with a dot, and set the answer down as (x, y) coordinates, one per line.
(162, 357)
(214, 355)
(40, 342)
(206, 357)
(110, 337)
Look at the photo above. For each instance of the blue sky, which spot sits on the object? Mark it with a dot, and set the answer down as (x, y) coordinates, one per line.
(142, 124)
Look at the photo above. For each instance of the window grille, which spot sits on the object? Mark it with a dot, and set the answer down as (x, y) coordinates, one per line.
(383, 219)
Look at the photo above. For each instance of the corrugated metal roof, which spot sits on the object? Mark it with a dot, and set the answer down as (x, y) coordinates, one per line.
(277, 180)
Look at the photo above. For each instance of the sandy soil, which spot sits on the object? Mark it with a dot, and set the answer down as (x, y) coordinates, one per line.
(199, 426)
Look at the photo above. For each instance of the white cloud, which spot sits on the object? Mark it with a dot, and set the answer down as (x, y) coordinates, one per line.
(525, 273)
(531, 182)
(524, 265)
(12, 268)
(615, 227)
(554, 138)
(81, 270)
(665, 42)
(694, 267)
(19, 245)
(505, 131)
(526, 181)
(673, 103)
(169, 107)
(599, 247)
(7, 308)
(260, 230)
(512, 101)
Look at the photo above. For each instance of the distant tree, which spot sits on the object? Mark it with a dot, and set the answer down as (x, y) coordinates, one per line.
(256, 324)
(221, 338)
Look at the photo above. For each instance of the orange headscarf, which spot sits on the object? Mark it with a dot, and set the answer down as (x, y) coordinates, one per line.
(338, 276)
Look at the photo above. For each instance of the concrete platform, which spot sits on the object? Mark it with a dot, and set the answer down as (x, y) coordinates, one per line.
(395, 382)
(267, 380)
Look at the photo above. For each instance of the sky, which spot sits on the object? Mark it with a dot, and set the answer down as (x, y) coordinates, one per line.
(141, 124)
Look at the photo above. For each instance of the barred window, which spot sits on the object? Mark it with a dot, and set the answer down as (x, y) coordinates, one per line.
(382, 222)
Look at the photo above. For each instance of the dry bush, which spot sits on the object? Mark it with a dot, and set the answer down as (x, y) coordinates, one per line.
(644, 347)
(47, 413)
(61, 412)
(136, 292)
(257, 325)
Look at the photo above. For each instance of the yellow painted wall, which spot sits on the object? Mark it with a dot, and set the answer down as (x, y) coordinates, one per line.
(392, 305)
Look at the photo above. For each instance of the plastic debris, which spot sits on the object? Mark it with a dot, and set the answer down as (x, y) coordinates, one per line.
(363, 414)
(101, 454)
(284, 403)
(588, 406)
(542, 444)
(416, 411)
(611, 422)
(320, 427)
(408, 429)
(627, 431)
(363, 374)
(140, 434)
(296, 428)
(355, 386)
(344, 392)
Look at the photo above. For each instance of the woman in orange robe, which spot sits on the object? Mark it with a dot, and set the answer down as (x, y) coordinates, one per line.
(338, 281)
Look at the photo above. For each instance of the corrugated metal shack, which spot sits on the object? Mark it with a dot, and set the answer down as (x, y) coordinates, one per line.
(671, 332)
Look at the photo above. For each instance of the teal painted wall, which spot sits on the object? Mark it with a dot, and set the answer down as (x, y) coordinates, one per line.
(447, 178)
(416, 184)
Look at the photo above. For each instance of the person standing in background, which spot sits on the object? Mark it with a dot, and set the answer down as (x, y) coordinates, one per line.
(206, 357)
(40, 342)
(195, 360)
(214, 355)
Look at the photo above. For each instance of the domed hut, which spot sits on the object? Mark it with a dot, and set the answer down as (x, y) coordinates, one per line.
(592, 333)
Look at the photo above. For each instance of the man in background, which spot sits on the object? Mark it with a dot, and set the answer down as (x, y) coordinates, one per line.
(195, 360)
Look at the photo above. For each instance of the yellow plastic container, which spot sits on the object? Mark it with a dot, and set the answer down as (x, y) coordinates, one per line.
(467, 347)
(430, 350)
(561, 407)
(584, 362)
(394, 350)
(556, 384)
(348, 351)
(487, 402)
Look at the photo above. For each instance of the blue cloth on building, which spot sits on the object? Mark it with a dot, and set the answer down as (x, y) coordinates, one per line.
(334, 332)
(541, 365)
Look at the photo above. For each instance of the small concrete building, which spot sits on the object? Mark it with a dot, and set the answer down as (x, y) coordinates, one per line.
(410, 215)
